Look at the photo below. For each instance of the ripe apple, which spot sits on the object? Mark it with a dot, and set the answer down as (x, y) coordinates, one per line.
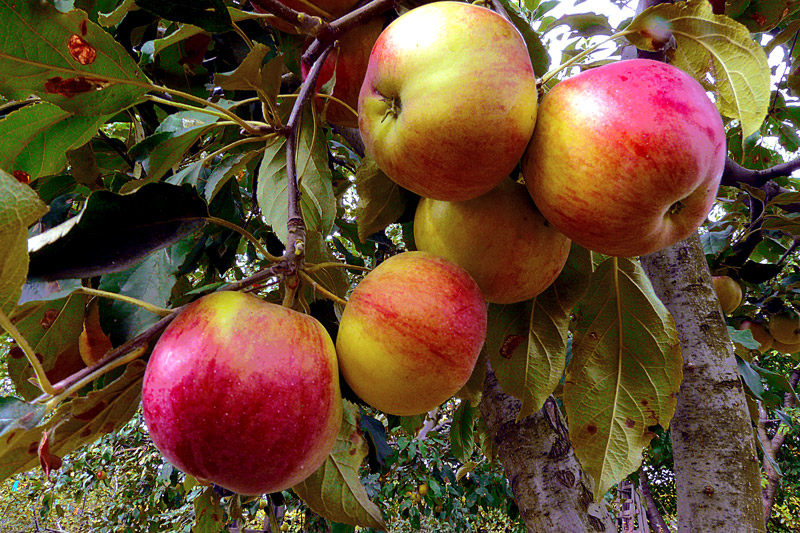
(729, 293)
(349, 60)
(759, 333)
(785, 327)
(411, 333)
(626, 158)
(243, 393)
(499, 238)
(448, 103)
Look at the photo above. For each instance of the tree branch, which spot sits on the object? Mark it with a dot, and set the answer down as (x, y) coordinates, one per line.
(734, 174)
(772, 447)
(653, 514)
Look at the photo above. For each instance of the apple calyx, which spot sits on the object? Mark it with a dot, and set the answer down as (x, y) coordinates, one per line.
(393, 107)
(677, 207)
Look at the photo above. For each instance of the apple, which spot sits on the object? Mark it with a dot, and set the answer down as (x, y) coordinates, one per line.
(785, 327)
(626, 158)
(349, 61)
(759, 333)
(448, 103)
(729, 293)
(243, 393)
(499, 238)
(786, 348)
(411, 333)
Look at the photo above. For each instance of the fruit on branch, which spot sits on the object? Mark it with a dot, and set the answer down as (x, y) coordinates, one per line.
(411, 333)
(499, 238)
(448, 103)
(786, 348)
(349, 62)
(729, 293)
(243, 393)
(785, 327)
(626, 158)
(759, 333)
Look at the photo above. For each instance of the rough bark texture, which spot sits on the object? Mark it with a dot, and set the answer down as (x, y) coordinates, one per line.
(550, 488)
(716, 467)
(772, 445)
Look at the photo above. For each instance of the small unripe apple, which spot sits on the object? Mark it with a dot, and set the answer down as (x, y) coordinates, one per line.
(243, 393)
(785, 327)
(759, 333)
(729, 293)
(411, 333)
(449, 100)
(500, 238)
(349, 62)
(626, 158)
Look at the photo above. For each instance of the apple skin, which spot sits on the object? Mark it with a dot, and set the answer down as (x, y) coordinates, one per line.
(499, 238)
(729, 293)
(449, 100)
(626, 158)
(243, 393)
(786, 348)
(411, 333)
(760, 334)
(349, 60)
(785, 328)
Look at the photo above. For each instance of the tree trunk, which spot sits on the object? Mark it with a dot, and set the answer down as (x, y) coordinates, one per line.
(549, 485)
(716, 467)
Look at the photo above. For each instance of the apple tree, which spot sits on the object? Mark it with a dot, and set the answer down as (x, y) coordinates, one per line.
(155, 153)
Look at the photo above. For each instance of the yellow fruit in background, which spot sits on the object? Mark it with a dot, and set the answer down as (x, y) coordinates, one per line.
(786, 348)
(729, 293)
(785, 327)
(423, 489)
(759, 333)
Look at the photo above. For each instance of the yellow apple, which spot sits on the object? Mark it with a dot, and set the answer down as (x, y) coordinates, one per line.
(785, 327)
(500, 238)
(759, 333)
(729, 293)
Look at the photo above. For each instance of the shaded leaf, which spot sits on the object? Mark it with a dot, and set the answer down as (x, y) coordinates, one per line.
(335, 491)
(540, 58)
(584, 24)
(317, 202)
(712, 47)
(332, 279)
(19, 208)
(472, 391)
(37, 137)
(211, 15)
(209, 517)
(462, 432)
(65, 59)
(763, 15)
(252, 74)
(380, 200)
(151, 281)
(80, 421)
(625, 372)
(17, 414)
(115, 231)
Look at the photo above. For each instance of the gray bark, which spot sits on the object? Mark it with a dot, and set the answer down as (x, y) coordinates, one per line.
(716, 467)
(549, 485)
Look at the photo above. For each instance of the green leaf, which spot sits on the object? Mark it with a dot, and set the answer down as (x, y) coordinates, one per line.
(335, 491)
(211, 15)
(332, 279)
(150, 281)
(208, 515)
(115, 231)
(317, 202)
(540, 58)
(784, 36)
(253, 75)
(710, 46)
(743, 337)
(80, 421)
(52, 332)
(584, 24)
(37, 137)
(65, 59)
(625, 372)
(19, 208)
(763, 15)
(462, 432)
(380, 200)
(115, 17)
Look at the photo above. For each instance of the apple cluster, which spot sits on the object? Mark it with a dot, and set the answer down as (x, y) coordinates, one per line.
(623, 159)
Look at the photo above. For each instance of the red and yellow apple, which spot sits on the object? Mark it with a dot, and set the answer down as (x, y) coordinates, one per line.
(729, 293)
(448, 103)
(759, 333)
(243, 393)
(411, 333)
(499, 238)
(626, 158)
(785, 327)
(349, 62)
